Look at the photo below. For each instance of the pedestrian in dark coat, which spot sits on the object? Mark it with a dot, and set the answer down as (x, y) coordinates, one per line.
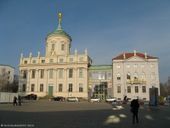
(15, 101)
(134, 109)
(19, 100)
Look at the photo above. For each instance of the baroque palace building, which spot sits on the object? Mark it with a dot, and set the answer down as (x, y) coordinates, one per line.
(58, 73)
(134, 74)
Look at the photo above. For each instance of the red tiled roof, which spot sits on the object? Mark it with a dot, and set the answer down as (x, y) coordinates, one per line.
(129, 55)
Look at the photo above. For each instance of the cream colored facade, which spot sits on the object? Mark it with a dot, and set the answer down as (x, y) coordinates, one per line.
(133, 75)
(6, 74)
(58, 73)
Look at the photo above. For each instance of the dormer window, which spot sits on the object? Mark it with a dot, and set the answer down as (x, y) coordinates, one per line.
(34, 61)
(25, 62)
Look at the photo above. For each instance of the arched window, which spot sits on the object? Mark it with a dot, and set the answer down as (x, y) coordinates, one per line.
(135, 76)
(118, 77)
(128, 76)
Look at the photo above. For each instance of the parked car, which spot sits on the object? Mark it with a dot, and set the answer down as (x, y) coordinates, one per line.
(111, 99)
(30, 97)
(58, 98)
(72, 99)
(95, 99)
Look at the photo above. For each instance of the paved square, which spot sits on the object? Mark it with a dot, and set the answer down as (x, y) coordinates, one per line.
(51, 114)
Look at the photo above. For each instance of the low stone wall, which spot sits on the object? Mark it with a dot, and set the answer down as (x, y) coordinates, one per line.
(6, 97)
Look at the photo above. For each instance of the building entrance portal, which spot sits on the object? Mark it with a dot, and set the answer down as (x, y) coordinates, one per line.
(100, 90)
(50, 90)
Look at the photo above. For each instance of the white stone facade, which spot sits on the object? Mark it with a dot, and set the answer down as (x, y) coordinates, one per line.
(133, 75)
(58, 73)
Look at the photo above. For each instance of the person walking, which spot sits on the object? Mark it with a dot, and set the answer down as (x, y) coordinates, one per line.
(19, 100)
(134, 109)
(15, 101)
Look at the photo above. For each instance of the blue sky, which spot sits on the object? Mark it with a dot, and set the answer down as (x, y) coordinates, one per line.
(105, 27)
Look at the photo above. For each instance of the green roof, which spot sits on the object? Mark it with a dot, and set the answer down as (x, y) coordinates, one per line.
(100, 67)
(60, 32)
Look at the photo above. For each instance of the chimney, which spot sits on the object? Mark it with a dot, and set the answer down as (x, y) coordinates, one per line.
(38, 54)
(145, 55)
(30, 55)
(134, 52)
(124, 55)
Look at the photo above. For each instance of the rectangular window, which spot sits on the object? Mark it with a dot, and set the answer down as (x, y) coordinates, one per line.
(41, 87)
(128, 89)
(118, 78)
(32, 87)
(60, 73)
(25, 62)
(80, 87)
(70, 75)
(42, 73)
(136, 89)
(51, 73)
(62, 47)
(118, 89)
(144, 89)
(33, 73)
(60, 87)
(71, 60)
(51, 61)
(70, 88)
(24, 87)
(80, 72)
(128, 76)
(34, 61)
(61, 60)
(24, 74)
(43, 61)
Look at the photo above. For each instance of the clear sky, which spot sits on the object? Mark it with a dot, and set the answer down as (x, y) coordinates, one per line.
(105, 27)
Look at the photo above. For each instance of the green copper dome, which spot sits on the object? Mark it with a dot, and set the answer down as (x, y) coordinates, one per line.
(59, 31)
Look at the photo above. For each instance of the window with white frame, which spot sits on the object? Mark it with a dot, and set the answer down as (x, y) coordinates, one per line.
(128, 76)
(128, 89)
(70, 73)
(144, 89)
(60, 87)
(33, 73)
(70, 87)
(41, 87)
(118, 77)
(50, 73)
(41, 73)
(60, 73)
(136, 89)
(118, 89)
(62, 47)
(32, 87)
(80, 72)
(80, 87)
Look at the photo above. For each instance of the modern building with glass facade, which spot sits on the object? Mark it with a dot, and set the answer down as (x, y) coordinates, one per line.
(100, 81)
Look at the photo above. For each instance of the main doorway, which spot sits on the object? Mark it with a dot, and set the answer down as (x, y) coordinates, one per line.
(50, 90)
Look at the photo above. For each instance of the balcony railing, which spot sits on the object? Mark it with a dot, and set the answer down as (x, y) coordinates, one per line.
(136, 81)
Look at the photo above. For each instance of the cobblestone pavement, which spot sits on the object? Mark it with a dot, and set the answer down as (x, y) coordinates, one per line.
(46, 114)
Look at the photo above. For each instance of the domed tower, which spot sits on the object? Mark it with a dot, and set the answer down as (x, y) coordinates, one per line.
(58, 42)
